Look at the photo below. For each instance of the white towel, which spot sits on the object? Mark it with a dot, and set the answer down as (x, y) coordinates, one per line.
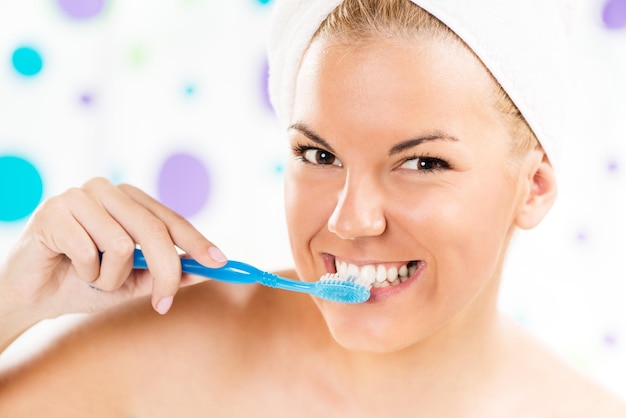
(524, 43)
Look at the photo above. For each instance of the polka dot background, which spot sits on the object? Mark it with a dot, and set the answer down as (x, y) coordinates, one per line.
(171, 97)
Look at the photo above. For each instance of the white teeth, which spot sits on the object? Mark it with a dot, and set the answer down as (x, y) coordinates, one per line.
(392, 274)
(342, 268)
(368, 274)
(352, 271)
(381, 273)
(375, 275)
(403, 271)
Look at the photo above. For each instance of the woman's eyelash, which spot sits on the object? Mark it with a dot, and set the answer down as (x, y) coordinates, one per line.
(299, 149)
(426, 163)
(314, 155)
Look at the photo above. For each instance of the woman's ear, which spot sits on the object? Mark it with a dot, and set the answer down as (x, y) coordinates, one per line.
(539, 190)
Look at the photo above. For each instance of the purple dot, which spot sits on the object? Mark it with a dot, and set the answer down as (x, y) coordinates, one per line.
(613, 167)
(81, 9)
(614, 14)
(581, 236)
(184, 184)
(611, 340)
(86, 99)
(265, 97)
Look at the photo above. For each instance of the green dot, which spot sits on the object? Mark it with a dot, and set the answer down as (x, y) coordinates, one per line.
(21, 188)
(138, 56)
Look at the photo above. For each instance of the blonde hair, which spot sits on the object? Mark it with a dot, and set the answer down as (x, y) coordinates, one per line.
(360, 20)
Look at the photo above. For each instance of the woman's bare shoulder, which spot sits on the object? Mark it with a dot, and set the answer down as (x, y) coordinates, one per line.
(553, 387)
(133, 349)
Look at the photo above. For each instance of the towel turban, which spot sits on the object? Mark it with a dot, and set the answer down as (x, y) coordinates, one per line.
(524, 44)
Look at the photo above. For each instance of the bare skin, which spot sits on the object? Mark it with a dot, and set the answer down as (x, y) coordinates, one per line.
(433, 346)
(213, 357)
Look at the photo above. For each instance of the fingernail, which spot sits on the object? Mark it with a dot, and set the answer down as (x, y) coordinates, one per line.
(217, 255)
(164, 305)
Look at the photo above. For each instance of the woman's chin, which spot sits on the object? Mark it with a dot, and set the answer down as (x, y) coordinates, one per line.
(368, 334)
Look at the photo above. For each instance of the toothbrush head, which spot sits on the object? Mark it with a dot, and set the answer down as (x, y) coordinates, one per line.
(332, 287)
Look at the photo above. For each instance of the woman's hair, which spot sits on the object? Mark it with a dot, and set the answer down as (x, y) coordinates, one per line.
(359, 20)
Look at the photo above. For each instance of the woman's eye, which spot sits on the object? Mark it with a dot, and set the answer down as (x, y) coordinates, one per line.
(425, 164)
(320, 157)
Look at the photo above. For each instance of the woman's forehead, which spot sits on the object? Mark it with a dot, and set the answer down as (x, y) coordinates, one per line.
(383, 95)
(385, 78)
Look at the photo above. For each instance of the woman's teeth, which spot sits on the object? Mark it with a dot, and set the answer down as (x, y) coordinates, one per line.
(376, 275)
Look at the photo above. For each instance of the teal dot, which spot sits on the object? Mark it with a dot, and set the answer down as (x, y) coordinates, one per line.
(27, 61)
(190, 89)
(264, 1)
(21, 188)
(279, 169)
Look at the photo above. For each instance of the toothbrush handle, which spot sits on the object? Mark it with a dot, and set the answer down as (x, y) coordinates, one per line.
(272, 280)
(232, 272)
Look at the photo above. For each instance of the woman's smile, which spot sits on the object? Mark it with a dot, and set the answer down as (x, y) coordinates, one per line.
(382, 278)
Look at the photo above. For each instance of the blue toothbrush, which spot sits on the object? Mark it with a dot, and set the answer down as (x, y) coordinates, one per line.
(329, 287)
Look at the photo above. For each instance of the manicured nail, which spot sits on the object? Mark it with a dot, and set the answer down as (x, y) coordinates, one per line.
(164, 305)
(217, 255)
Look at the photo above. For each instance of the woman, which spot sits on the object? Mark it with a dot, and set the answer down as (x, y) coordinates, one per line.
(409, 161)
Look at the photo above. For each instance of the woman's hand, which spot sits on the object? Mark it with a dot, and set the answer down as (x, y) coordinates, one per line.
(55, 265)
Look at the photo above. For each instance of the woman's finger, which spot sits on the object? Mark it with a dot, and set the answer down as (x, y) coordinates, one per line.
(56, 227)
(183, 233)
(151, 233)
(113, 245)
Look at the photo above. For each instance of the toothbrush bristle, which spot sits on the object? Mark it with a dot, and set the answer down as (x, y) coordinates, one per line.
(337, 289)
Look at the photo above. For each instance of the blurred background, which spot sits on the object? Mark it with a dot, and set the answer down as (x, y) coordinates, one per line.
(171, 97)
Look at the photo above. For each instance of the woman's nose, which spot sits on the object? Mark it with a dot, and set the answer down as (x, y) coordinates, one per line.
(359, 211)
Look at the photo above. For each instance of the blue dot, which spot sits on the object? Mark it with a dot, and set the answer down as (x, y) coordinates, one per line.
(279, 169)
(21, 188)
(27, 61)
(265, 1)
(190, 89)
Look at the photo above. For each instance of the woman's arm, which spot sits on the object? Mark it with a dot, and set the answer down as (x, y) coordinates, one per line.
(75, 255)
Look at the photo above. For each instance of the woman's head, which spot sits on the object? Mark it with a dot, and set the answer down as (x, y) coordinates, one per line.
(526, 46)
(403, 167)
(357, 21)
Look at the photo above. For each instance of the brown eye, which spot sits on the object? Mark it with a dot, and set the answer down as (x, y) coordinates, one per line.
(425, 164)
(320, 157)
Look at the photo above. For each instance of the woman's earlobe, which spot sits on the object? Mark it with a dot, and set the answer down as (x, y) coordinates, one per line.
(540, 194)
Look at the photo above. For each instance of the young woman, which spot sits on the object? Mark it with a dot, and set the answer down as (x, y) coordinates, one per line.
(410, 163)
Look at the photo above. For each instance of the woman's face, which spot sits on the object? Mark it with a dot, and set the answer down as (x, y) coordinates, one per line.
(400, 166)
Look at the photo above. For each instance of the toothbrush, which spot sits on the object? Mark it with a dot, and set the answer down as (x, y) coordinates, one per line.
(329, 287)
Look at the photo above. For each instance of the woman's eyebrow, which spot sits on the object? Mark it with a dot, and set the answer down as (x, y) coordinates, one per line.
(413, 142)
(306, 131)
